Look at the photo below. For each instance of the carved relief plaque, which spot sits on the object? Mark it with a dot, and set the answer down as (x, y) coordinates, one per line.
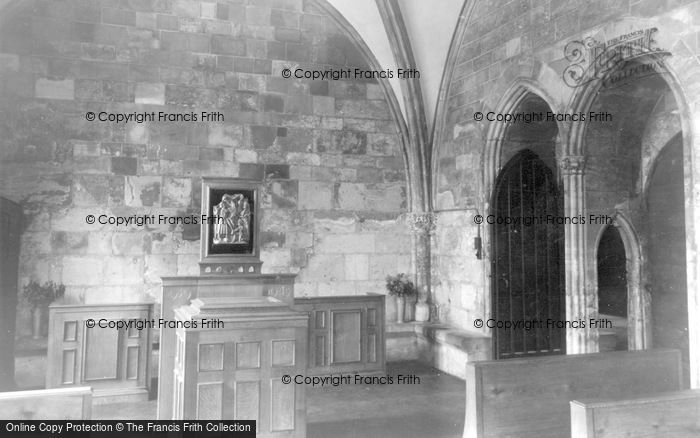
(229, 235)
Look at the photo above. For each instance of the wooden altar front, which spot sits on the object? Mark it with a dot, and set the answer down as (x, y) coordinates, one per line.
(233, 360)
(180, 291)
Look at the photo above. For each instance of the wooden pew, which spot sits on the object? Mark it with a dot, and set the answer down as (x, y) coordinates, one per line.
(47, 404)
(530, 397)
(670, 414)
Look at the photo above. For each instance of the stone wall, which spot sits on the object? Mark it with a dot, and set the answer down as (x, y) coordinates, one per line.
(520, 45)
(326, 151)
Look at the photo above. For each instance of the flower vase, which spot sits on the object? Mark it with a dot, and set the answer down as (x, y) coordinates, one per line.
(400, 308)
(37, 319)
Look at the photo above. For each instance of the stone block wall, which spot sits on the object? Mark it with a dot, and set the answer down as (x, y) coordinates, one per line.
(506, 41)
(327, 152)
(458, 277)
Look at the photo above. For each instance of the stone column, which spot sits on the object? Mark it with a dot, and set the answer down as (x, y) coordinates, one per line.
(421, 225)
(578, 301)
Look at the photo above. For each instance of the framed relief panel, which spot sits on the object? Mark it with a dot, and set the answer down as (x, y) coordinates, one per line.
(229, 233)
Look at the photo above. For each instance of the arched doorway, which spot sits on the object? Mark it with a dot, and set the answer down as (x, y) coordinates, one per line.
(667, 251)
(612, 289)
(527, 261)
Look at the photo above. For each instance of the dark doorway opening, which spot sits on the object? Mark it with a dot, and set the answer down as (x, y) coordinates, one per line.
(612, 289)
(667, 251)
(10, 228)
(528, 260)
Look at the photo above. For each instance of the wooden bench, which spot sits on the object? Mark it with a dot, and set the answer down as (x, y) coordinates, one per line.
(47, 404)
(530, 397)
(671, 414)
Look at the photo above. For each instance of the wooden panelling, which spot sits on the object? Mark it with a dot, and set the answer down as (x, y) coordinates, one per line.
(210, 401)
(248, 400)
(47, 404)
(672, 414)
(103, 346)
(179, 291)
(346, 340)
(261, 341)
(346, 333)
(530, 397)
(109, 360)
(283, 406)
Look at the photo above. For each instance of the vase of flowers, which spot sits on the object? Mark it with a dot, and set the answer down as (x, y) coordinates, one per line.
(401, 287)
(39, 296)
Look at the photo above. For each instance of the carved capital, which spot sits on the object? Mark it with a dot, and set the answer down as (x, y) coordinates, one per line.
(421, 222)
(572, 164)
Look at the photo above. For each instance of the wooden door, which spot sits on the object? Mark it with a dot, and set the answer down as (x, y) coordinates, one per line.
(527, 260)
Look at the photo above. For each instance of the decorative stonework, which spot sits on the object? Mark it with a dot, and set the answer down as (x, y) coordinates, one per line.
(424, 222)
(573, 164)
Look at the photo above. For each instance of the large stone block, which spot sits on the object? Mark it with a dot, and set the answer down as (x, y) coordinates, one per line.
(350, 142)
(150, 93)
(303, 158)
(124, 165)
(357, 267)
(124, 271)
(323, 268)
(188, 264)
(386, 197)
(381, 265)
(158, 266)
(65, 242)
(351, 196)
(99, 243)
(83, 270)
(55, 89)
(177, 192)
(74, 219)
(90, 190)
(367, 109)
(354, 243)
(284, 194)
(275, 259)
(131, 243)
(315, 195)
(262, 137)
(142, 191)
(227, 45)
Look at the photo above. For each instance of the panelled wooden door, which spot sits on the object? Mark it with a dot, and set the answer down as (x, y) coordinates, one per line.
(527, 260)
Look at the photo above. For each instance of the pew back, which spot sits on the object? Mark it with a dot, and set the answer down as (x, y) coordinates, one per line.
(670, 414)
(47, 404)
(530, 397)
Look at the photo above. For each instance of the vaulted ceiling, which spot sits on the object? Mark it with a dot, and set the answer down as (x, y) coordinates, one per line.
(430, 28)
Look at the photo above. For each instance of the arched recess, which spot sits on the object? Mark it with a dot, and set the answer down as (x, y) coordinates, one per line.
(510, 142)
(523, 95)
(585, 100)
(638, 303)
(666, 241)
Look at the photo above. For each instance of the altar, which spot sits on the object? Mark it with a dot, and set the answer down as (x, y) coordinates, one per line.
(234, 370)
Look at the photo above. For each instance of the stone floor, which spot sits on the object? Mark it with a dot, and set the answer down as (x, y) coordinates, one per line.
(433, 408)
